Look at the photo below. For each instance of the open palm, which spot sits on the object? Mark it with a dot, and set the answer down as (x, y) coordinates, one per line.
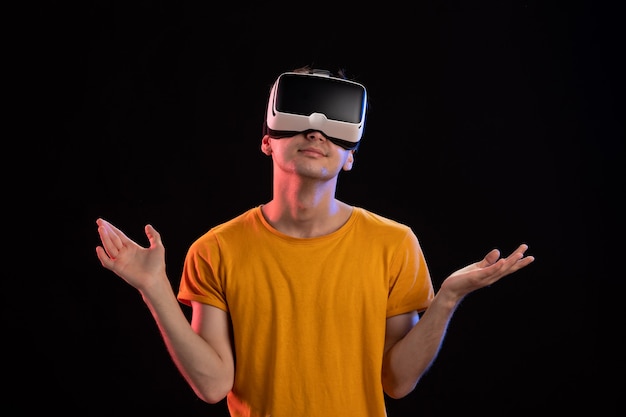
(137, 265)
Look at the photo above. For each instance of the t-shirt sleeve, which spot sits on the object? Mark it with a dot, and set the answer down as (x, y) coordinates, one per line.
(411, 287)
(201, 280)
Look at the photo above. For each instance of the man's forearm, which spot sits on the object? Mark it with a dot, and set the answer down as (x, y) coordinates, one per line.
(208, 374)
(409, 359)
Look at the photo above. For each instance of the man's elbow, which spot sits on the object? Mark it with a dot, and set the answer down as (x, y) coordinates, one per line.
(211, 397)
(399, 390)
(213, 394)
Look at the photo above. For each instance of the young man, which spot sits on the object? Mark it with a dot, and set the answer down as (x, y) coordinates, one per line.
(304, 305)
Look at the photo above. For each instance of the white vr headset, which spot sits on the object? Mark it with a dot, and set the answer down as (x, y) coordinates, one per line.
(316, 101)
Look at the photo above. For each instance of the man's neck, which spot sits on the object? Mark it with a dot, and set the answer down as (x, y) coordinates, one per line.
(306, 216)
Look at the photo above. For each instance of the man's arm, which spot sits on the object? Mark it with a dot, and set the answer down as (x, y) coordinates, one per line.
(412, 345)
(201, 351)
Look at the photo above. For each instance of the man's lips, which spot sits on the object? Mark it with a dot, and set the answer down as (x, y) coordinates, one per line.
(313, 150)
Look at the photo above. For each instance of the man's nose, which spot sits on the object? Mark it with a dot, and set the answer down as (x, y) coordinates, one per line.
(315, 135)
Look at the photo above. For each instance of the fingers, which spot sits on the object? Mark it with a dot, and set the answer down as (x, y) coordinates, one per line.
(493, 264)
(521, 249)
(518, 257)
(105, 238)
(153, 236)
(111, 241)
(114, 240)
(104, 258)
(491, 258)
(516, 260)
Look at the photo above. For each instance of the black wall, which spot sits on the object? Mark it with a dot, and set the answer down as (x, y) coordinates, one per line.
(491, 123)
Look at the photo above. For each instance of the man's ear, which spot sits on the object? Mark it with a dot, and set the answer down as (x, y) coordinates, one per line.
(347, 166)
(266, 146)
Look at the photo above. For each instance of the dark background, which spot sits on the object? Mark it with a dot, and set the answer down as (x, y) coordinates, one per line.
(491, 123)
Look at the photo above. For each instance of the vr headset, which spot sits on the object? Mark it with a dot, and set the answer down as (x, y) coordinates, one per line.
(316, 101)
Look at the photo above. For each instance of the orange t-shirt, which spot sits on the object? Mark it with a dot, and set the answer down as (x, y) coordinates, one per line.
(308, 314)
